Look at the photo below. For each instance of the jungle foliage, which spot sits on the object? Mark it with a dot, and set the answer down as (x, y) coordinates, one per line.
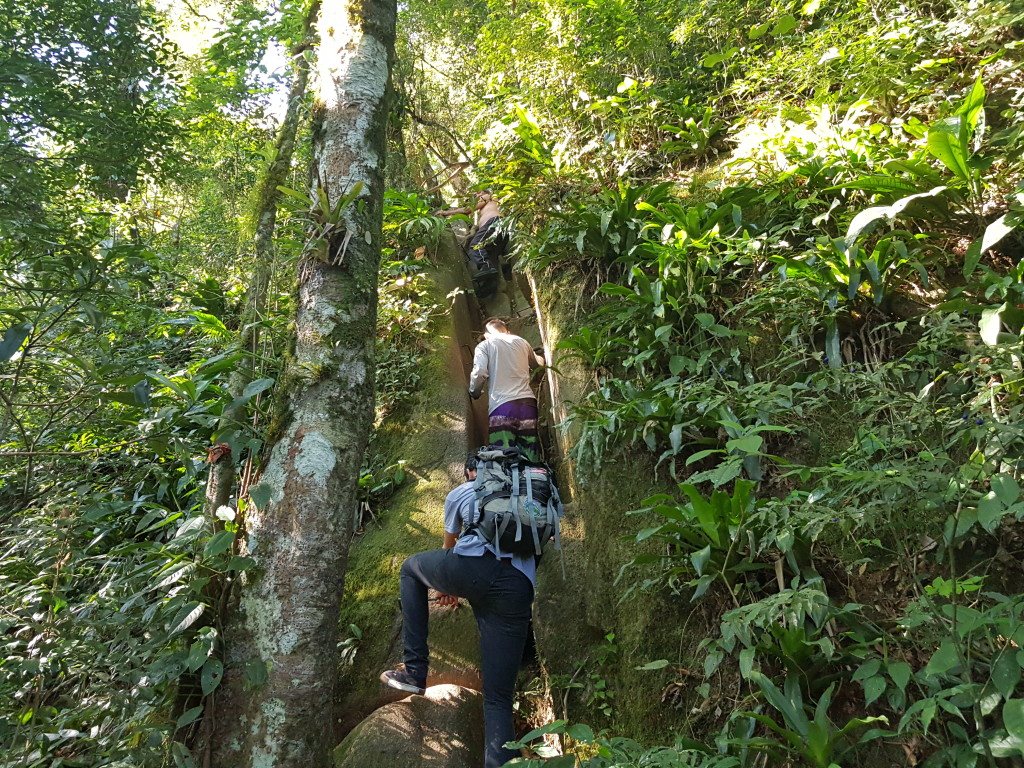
(128, 167)
(798, 234)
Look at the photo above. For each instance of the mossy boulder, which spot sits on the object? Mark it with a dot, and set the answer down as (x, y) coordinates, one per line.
(443, 728)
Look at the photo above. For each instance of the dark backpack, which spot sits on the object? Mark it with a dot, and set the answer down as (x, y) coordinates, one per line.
(518, 502)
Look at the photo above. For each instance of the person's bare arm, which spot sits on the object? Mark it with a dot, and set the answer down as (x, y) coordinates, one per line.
(455, 211)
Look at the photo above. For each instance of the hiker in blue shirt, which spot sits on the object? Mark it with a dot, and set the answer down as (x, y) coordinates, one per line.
(500, 591)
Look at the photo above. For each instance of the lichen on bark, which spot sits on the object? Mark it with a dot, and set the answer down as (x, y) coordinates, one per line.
(285, 617)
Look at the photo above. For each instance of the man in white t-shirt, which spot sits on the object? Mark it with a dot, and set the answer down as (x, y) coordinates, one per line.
(504, 362)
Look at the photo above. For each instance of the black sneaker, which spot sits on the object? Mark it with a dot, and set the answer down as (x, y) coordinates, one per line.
(402, 680)
(485, 283)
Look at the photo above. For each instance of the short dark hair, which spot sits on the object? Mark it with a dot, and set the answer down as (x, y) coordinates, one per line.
(470, 464)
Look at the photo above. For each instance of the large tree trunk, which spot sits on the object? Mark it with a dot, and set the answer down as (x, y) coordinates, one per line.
(275, 703)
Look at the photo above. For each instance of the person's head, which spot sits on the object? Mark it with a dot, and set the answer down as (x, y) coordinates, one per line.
(469, 469)
(494, 326)
(484, 195)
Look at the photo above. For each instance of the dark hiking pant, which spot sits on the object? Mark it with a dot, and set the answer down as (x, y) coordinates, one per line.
(501, 598)
(488, 245)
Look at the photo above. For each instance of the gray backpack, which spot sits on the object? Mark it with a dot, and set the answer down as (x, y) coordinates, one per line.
(518, 502)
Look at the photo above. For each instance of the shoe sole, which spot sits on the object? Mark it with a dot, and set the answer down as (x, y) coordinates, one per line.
(486, 287)
(409, 688)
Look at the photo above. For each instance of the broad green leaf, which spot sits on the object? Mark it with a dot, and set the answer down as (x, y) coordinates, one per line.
(581, 732)
(13, 338)
(189, 716)
(694, 457)
(927, 714)
(699, 559)
(1005, 488)
(759, 30)
(724, 473)
(990, 511)
(197, 655)
(646, 533)
(1005, 674)
(785, 25)
(746, 662)
(869, 216)
(873, 688)
(191, 528)
(677, 364)
(946, 142)
(703, 584)
(973, 106)
(219, 543)
(213, 672)
(747, 443)
(994, 233)
(1002, 746)
(556, 726)
(260, 495)
(186, 617)
(255, 387)
(943, 660)
(714, 59)
(900, 673)
(867, 669)
(1013, 718)
(991, 323)
(652, 665)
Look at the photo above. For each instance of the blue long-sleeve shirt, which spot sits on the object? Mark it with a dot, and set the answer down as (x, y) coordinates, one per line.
(460, 512)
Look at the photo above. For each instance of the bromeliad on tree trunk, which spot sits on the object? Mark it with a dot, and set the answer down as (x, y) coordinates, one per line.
(281, 639)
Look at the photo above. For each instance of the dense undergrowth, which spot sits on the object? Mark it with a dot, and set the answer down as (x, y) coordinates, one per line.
(113, 576)
(798, 234)
(118, 341)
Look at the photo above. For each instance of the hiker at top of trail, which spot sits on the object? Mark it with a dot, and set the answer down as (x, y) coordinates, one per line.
(504, 362)
(498, 584)
(488, 246)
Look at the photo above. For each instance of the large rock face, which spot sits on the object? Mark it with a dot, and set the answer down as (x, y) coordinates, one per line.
(444, 728)
(433, 436)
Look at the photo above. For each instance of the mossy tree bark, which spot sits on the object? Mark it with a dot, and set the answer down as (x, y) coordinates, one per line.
(275, 702)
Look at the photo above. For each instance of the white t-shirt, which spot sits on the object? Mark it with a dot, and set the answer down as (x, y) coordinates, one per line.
(504, 362)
